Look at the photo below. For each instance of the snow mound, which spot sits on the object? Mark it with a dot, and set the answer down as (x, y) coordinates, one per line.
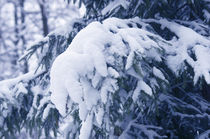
(87, 73)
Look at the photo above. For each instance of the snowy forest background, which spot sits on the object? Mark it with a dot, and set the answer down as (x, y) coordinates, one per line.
(128, 69)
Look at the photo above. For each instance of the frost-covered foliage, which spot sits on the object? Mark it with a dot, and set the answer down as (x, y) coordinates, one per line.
(190, 49)
(95, 69)
(54, 44)
(116, 77)
(25, 101)
(186, 10)
(114, 69)
(178, 115)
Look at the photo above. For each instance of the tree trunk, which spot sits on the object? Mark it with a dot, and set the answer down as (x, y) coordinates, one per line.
(44, 18)
(15, 55)
(22, 13)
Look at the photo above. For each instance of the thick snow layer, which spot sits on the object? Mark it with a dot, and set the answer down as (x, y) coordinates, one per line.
(188, 40)
(187, 44)
(87, 73)
(88, 70)
(77, 62)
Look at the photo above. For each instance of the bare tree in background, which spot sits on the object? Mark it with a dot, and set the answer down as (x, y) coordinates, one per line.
(21, 24)
(44, 17)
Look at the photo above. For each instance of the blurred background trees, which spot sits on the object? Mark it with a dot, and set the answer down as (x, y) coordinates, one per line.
(23, 22)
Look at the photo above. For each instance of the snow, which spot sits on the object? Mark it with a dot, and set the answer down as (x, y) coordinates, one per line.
(144, 130)
(46, 111)
(69, 68)
(129, 61)
(141, 86)
(137, 5)
(206, 15)
(1, 121)
(87, 74)
(82, 111)
(99, 116)
(201, 67)
(86, 127)
(89, 71)
(186, 35)
(114, 4)
(64, 29)
(204, 135)
(24, 78)
(112, 72)
(96, 80)
(188, 42)
(12, 87)
(158, 73)
(109, 86)
(82, 71)
(73, 62)
(91, 95)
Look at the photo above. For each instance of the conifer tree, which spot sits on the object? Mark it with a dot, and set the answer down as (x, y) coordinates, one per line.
(127, 69)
